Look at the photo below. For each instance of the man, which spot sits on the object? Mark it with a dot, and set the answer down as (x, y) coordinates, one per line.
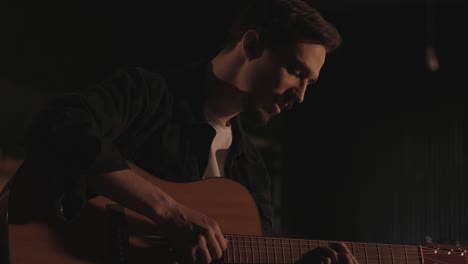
(184, 125)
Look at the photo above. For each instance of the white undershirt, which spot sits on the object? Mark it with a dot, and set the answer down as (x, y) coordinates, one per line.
(219, 147)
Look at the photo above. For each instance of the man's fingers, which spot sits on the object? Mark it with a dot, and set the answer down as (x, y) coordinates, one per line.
(222, 242)
(323, 254)
(214, 247)
(344, 248)
(345, 254)
(220, 238)
(200, 253)
(346, 258)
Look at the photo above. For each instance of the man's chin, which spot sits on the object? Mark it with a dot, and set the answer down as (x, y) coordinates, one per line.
(259, 117)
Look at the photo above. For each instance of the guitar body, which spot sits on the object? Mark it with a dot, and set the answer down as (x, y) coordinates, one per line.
(94, 236)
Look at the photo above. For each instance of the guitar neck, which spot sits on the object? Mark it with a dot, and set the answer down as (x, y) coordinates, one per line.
(256, 249)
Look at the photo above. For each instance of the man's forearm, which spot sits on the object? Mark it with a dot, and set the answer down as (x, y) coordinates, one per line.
(133, 191)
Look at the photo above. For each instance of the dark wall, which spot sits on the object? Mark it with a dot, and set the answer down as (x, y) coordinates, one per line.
(50, 47)
(374, 153)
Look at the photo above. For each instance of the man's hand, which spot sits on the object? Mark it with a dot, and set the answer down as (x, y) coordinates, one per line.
(196, 238)
(326, 255)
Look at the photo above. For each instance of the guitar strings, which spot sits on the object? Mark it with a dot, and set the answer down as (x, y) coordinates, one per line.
(302, 243)
(274, 252)
(273, 259)
(271, 245)
(247, 249)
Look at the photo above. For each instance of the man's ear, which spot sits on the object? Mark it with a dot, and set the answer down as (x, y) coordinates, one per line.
(252, 45)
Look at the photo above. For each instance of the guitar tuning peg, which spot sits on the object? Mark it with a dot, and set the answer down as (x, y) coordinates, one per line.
(443, 241)
(461, 251)
(455, 242)
(428, 239)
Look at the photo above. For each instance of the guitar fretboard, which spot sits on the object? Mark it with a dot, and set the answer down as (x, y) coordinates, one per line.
(254, 249)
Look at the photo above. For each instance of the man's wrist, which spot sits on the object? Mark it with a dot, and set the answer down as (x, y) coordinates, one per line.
(165, 209)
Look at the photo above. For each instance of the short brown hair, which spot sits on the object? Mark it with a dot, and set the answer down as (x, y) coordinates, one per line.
(283, 21)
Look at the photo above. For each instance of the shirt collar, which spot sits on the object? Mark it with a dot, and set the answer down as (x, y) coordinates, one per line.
(190, 86)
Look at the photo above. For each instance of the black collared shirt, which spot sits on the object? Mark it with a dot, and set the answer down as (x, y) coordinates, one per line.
(154, 119)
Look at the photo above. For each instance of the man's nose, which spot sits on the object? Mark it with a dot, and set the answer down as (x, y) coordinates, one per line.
(300, 92)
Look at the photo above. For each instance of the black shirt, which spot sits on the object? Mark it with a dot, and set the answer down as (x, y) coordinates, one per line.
(154, 119)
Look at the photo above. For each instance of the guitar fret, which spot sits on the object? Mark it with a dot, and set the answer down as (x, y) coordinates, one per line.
(301, 251)
(282, 251)
(294, 249)
(226, 256)
(274, 250)
(230, 249)
(252, 253)
(307, 248)
(320, 243)
(359, 252)
(239, 250)
(248, 251)
(258, 250)
(278, 248)
(378, 253)
(372, 253)
(406, 254)
(383, 254)
(391, 254)
(365, 253)
(236, 248)
(246, 255)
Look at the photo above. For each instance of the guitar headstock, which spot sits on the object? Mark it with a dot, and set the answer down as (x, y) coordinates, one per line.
(434, 253)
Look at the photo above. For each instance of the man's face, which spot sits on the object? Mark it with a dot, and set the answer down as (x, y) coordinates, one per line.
(279, 78)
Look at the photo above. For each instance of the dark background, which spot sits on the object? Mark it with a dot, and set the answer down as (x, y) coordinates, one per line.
(374, 154)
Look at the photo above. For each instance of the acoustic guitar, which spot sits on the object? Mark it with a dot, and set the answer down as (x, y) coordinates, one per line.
(108, 233)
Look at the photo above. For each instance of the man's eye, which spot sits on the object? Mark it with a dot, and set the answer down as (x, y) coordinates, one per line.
(296, 73)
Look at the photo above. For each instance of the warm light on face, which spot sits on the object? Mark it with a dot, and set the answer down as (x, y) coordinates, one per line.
(280, 78)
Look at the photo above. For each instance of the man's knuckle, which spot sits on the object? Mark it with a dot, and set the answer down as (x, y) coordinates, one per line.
(208, 259)
(200, 239)
(218, 255)
(210, 233)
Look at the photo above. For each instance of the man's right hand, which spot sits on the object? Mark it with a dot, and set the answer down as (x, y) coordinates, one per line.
(195, 237)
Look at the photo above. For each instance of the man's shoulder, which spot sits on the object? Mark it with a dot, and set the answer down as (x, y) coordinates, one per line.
(141, 73)
(183, 71)
(180, 73)
(186, 78)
